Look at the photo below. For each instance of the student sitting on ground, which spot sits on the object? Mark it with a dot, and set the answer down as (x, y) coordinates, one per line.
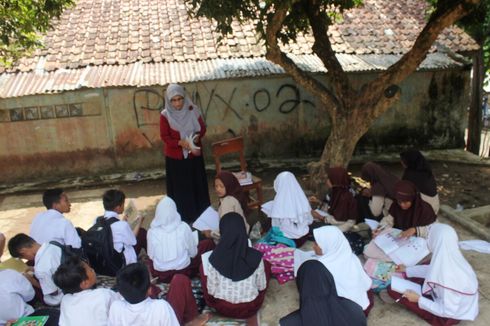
(51, 225)
(381, 195)
(236, 277)
(418, 171)
(172, 247)
(133, 283)
(449, 284)
(319, 302)
(15, 293)
(231, 196)
(342, 207)
(127, 241)
(409, 213)
(351, 281)
(82, 305)
(46, 257)
(290, 210)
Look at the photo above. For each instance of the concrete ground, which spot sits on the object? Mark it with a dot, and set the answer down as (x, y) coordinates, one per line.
(18, 210)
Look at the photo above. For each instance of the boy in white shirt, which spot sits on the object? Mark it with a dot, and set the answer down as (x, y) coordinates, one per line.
(81, 305)
(46, 257)
(2, 244)
(133, 283)
(51, 224)
(123, 237)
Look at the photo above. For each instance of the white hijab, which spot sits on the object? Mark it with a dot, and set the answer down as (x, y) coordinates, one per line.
(351, 281)
(184, 121)
(448, 268)
(166, 231)
(290, 201)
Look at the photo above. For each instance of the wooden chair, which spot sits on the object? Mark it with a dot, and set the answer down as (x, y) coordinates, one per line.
(235, 146)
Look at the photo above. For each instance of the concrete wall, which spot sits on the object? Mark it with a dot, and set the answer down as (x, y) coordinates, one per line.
(117, 129)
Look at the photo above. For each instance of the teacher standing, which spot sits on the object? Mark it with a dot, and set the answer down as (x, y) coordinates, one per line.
(186, 177)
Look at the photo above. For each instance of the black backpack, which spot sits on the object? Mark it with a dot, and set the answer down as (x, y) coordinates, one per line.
(68, 251)
(99, 248)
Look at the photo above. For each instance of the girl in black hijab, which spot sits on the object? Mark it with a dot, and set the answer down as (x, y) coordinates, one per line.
(319, 302)
(419, 172)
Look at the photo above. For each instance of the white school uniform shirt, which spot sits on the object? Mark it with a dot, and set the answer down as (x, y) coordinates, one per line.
(351, 281)
(15, 291)
(123, 237)
(148, 312)
(51, 225)
(88, 307)
(171, 244)
(449, 279)
(290, 209)
(46, 262)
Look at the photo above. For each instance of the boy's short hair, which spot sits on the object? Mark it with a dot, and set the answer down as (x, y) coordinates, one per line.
(19, 242)
(70, 275)
(113, 198)
(133, 282)
(52, 196)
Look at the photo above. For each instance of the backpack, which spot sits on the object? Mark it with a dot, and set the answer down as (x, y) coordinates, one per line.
(99, 248)
(67, 251)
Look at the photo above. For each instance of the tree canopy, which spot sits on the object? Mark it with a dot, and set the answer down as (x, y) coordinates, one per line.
(23, 21)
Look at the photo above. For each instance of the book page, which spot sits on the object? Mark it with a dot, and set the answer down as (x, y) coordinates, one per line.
(131, 212)
(267, 207)
(413, 250)
(208, 220)
(401, 285)
(373, 224)
(15, 264)
(300, 257)
(389, 241)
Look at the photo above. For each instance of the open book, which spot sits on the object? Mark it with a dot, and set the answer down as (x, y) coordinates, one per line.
(191, 140)
(244, 178)
(401, 285)
(131, 213)
(31, 321)
(402, 251)
(208, 220)
(379, 270)
(15, 264)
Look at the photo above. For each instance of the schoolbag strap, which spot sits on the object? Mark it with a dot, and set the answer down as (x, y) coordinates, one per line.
(112, 220)
(57, 244)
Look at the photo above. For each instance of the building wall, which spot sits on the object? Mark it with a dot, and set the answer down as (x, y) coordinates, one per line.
(117, 129)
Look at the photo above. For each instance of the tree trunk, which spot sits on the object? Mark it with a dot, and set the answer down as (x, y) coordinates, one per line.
(475, 114)
(346, 130)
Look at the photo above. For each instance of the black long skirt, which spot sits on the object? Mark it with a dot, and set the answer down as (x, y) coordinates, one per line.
(187, 185)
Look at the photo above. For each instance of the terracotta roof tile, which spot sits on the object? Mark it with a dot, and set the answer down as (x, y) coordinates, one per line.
(97, 32)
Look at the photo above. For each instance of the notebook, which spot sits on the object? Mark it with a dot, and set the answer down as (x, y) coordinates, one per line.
(402, 251)
(401, 285)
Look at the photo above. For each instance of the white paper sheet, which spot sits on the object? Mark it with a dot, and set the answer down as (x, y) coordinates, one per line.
(401, 285)
(300, 257)
(205, 261)
(373, 224)
(267, 207)
(208, 220)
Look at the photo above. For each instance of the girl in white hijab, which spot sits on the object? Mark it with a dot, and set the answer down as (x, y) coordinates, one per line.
(449, 280)
(351, 281)
(290, 210)
(171, 244)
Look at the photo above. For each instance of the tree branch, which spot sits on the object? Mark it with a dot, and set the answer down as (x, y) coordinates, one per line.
(323, 49)
(275, 55)
(442, 18)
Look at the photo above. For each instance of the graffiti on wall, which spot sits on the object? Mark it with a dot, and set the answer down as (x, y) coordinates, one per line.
(288, 97)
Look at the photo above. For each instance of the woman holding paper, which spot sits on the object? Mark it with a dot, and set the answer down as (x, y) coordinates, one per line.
(235, 277)
(409, 213)
(172, 246)
(351, 281)
(181, 129)
(319, 302)
(450, 286)
(418, 171)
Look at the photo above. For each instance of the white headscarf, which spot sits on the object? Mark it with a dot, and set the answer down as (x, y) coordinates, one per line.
(166, 231)
(448, 268)
(290, 201)
(351, 281)
(185, 121)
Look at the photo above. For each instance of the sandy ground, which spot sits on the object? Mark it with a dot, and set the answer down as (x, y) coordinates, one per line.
(468, 185)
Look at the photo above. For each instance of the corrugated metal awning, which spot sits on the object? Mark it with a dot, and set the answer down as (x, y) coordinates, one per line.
(149, 74)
